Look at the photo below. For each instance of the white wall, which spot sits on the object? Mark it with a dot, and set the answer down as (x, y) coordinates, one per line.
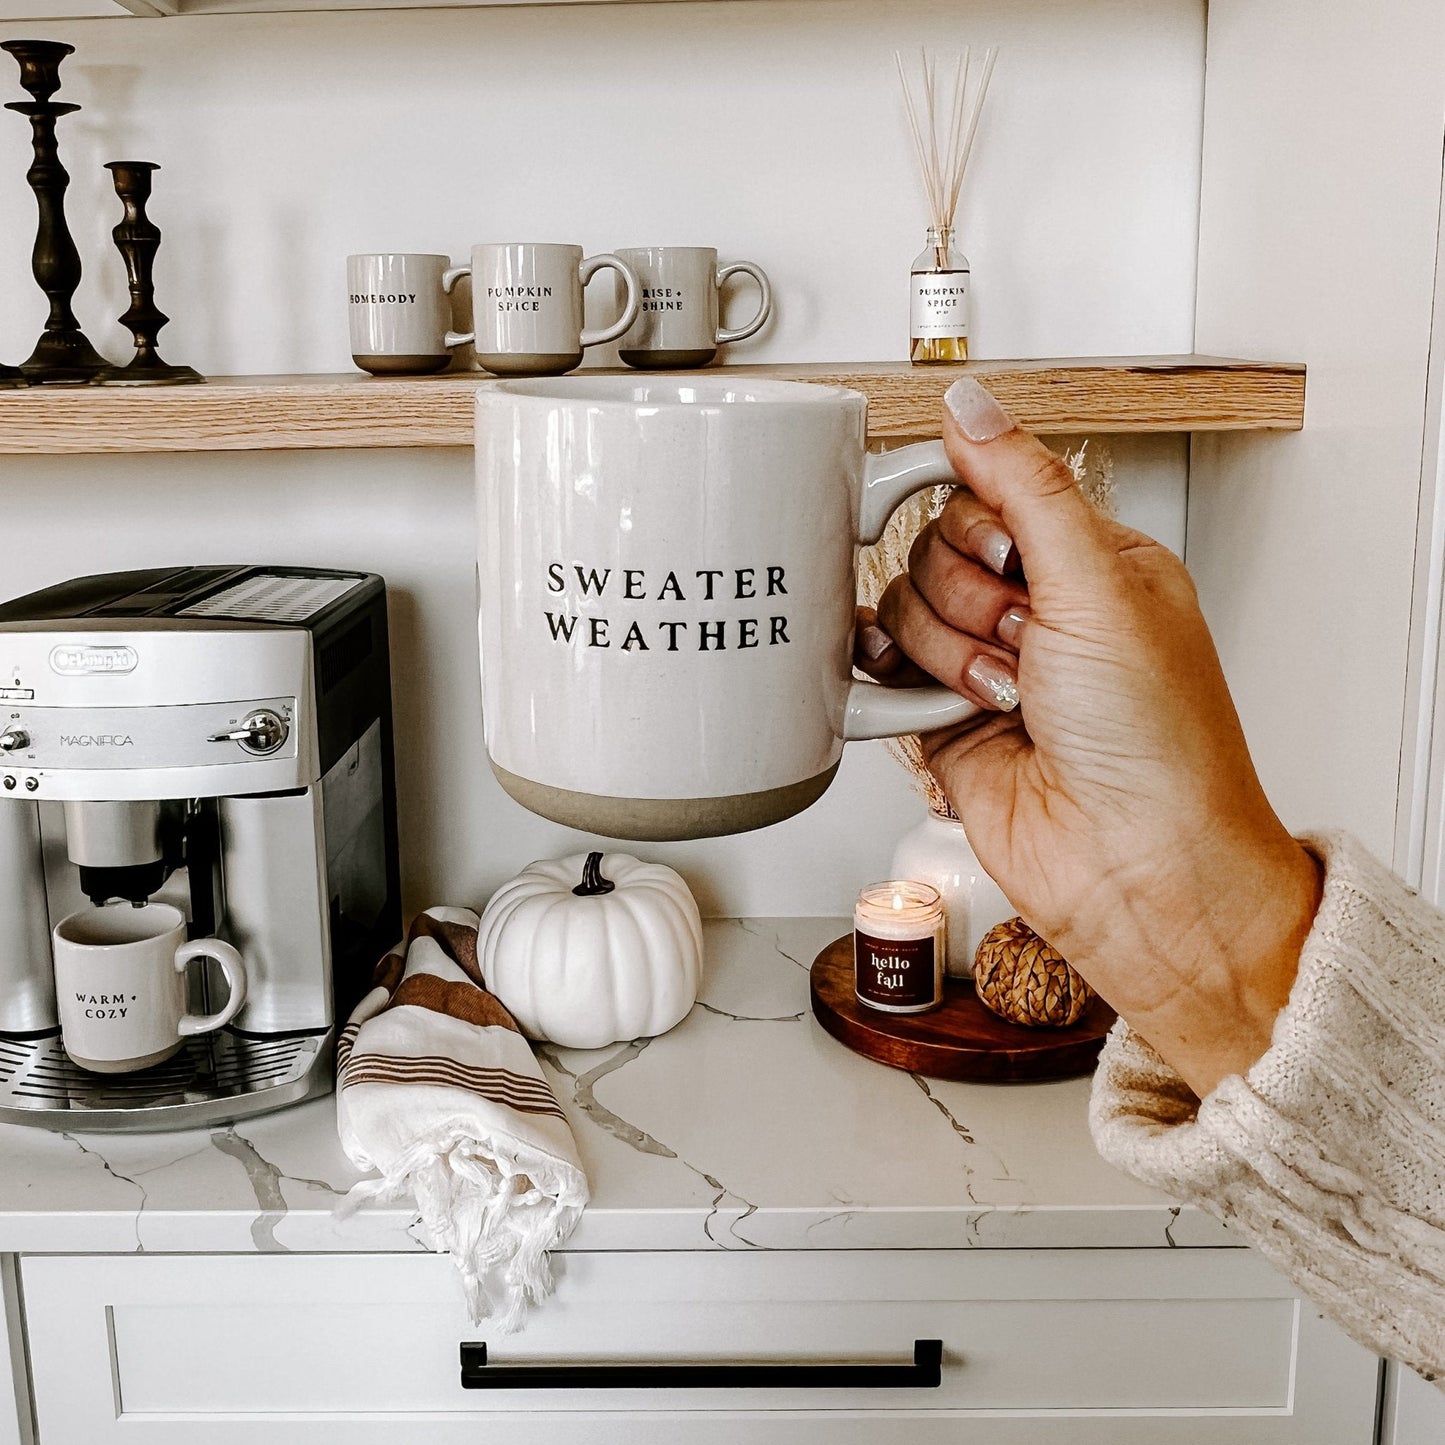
(770, 128)
(1414, 1411)
(1320, 209)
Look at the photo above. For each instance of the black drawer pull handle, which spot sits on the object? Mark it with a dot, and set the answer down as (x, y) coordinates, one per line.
(925, 1373)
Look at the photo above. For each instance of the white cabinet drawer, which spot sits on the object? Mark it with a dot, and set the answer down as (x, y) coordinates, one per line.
(1076, 1345)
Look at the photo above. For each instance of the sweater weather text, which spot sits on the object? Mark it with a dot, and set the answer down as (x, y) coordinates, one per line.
(707, 584)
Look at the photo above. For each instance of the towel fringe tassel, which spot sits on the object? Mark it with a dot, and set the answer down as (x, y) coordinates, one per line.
(497, 1210)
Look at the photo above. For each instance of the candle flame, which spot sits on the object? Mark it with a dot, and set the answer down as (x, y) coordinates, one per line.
(897, 899)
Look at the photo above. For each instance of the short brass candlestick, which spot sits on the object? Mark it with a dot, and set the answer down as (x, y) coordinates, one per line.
(62, 353)
(138, 238)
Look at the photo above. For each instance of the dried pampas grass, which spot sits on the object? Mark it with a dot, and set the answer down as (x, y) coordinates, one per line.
(1093, 467)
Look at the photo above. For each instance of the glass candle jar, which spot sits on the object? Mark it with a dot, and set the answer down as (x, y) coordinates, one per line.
(899, 947)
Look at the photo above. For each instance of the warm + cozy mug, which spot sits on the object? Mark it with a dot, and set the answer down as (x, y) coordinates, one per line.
(667, 597)
(120, 985)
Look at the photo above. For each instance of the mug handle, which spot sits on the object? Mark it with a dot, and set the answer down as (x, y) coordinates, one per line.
(765, 302)
(450, 279)
(590, 267)
(875, 711)
(235, 972)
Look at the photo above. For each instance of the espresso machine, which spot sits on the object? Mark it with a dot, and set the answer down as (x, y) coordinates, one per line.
(219, 738)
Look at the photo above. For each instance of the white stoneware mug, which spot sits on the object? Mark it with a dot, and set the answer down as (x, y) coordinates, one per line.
(527, 306)
(679, 318)
(120, 983)
(398, 312)
(667, 597)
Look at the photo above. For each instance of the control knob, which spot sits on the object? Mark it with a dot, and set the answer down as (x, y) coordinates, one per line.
(261, 732)
(14, 740)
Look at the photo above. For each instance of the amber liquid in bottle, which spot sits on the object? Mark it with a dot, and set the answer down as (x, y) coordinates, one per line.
(938, 287)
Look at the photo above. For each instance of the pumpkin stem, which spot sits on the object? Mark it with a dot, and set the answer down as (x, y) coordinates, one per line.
(593, 883)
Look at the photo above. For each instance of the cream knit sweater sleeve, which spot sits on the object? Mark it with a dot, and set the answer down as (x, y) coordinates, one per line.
(1329, 1155)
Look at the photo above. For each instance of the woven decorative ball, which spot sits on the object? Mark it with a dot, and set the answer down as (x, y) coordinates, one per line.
(1024, 980)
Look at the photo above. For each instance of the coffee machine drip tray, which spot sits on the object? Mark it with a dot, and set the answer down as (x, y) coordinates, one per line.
(213, 1079)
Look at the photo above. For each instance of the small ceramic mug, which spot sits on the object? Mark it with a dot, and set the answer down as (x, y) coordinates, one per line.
(667, 597)
(120, 983)
(398, 312)
(527, 306)
(679, 319)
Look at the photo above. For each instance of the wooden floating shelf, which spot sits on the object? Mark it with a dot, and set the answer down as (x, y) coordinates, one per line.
(268, 413)
(12, 10)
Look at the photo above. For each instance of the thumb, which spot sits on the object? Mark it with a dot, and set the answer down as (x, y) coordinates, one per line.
(1032, 490)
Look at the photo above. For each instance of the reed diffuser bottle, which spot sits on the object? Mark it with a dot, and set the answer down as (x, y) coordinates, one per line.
(938, 314)
(939, 280)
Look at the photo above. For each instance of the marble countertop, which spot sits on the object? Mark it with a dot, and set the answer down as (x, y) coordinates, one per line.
(746, 1127)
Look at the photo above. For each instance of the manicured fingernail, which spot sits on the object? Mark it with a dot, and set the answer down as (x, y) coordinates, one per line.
(993, 547)
(1011, 626)
(980, 418)
(874, 642)
(996, 679)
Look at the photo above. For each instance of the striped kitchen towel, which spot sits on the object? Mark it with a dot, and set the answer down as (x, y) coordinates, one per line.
(438, 1091)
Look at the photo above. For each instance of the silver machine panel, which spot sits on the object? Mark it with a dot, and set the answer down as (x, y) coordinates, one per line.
(169, 740)
(131, 709)
(154, 738)
(27, 986)
(111, 834)
(277, 910)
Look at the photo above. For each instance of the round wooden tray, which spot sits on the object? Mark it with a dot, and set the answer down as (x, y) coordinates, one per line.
(960, 1040)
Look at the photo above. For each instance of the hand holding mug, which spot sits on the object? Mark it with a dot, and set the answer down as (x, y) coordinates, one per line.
(1116, 803)
(667, 597)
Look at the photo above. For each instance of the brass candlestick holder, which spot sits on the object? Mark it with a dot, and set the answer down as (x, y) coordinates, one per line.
(62, 354)
(138, 238)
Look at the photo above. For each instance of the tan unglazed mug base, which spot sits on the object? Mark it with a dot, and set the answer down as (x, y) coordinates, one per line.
(529, 363)
(403, 364)
(669, 360)
(665, 820)
(125, 1066)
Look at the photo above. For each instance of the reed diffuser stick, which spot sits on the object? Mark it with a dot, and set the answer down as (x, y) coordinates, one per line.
(967, 150)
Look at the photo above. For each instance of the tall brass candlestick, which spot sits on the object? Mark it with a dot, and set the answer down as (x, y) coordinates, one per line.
(62, 353)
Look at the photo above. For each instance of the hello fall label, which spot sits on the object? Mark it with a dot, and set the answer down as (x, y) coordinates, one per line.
(758, 588)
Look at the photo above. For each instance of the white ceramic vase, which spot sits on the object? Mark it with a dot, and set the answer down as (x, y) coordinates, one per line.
(937, 851)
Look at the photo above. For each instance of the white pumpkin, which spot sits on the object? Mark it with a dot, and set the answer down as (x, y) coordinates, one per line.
(593, 949)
